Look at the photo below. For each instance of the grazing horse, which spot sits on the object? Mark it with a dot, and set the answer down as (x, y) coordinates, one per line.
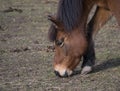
(74, 37)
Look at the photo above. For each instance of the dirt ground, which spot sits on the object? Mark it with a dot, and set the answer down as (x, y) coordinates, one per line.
(26, 59)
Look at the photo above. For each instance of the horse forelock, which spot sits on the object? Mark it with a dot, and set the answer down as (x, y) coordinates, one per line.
(69, 13)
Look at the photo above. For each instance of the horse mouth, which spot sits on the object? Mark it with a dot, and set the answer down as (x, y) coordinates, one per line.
(63, 72)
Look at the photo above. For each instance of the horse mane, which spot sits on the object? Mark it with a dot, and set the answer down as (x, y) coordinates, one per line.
(69, 13)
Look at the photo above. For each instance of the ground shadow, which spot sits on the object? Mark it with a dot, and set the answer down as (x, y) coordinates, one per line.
(111, 63)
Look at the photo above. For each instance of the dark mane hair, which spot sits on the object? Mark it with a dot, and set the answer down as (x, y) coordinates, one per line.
(69, 13)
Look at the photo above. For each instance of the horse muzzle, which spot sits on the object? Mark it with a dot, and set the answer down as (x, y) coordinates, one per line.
(66, 73)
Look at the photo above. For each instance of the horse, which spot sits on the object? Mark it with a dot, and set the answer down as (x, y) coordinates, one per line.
(73, 36)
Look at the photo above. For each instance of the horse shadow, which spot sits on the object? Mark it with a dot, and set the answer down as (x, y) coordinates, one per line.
(111, 63)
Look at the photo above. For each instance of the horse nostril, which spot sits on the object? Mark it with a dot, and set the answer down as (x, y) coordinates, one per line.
(57, 73)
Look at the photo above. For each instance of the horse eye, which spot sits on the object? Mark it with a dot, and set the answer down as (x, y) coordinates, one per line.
(60, 42)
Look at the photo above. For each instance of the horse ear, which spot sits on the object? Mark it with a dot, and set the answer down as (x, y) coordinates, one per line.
(55, 22)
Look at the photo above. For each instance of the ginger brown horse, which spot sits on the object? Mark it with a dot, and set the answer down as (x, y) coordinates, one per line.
(74, 37)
